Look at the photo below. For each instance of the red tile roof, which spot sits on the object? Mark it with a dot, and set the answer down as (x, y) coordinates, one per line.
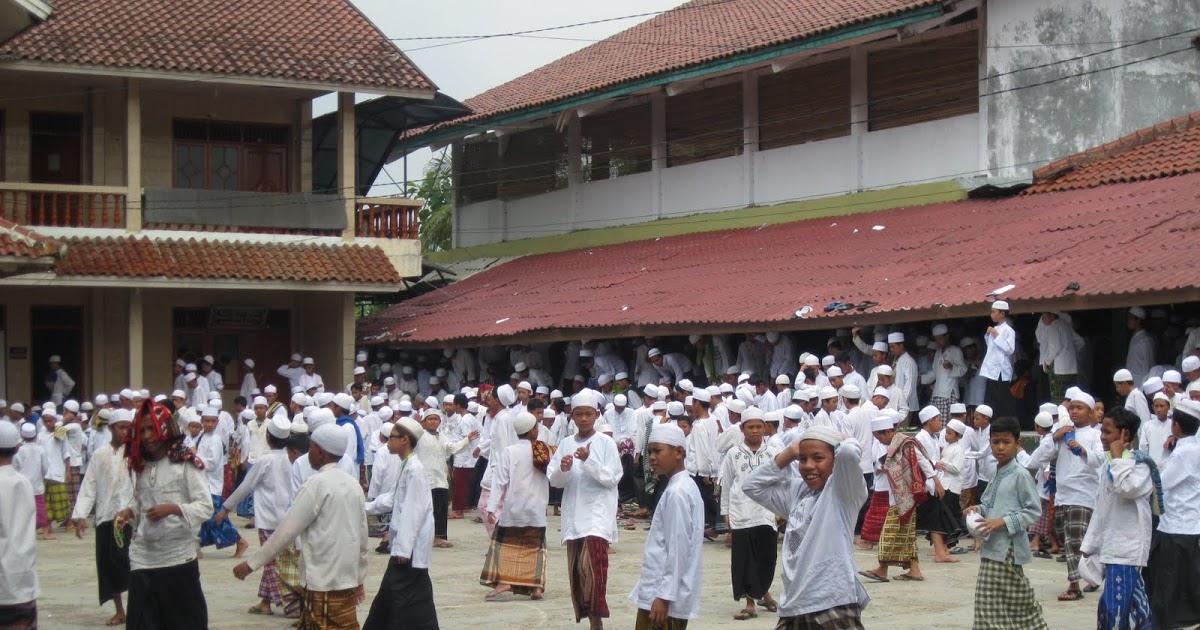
(21, 242)
(927, 262)
(310, 41)
(693, 33)
(142, 257)
(1166, 149)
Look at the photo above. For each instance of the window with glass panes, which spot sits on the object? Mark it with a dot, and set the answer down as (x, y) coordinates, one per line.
(213, 155)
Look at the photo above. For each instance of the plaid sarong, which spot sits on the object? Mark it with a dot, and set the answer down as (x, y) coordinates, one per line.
(287, 569)
(74, 479)
(847, 617)
(876, 514)
(587, 566)
(898, 543)
(1004, 599)
(58, 505)
(268, 585)
(943, 404)
(1045, 524)
(39, 504)
(517, 558)
(1070, 525)
(19, 616)
(330, 610)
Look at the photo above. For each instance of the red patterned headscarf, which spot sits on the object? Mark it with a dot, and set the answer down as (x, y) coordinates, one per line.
(166, 428)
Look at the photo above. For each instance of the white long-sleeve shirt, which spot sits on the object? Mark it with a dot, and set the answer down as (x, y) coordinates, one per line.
(1180, 474)
(744, 512)
(62, 386)
(907, 379)
(954, 459)
(32, 463)
(55, 455)
(211, 449)
(198, 395)
(271, 482)
(1136, 402)
(670, 570)
(945, 379)
(858, 423)
(384, 473)
(818, 547)
(18, 563)
(292, 374)
(411, 505)
(1077, 477)
(434, 451)
(1152, 435)
(104, 485)
(589, 502)
(500, 435)
(173, 540)
(1140, 357)
(466, 425)
(998, 359)
(523, 490)
(1119, 532)
(978, 449)
(704, 447)
(328, 514)
(249, 384)
(1057, 345)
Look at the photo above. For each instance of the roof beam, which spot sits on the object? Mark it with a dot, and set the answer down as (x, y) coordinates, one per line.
(912, 30)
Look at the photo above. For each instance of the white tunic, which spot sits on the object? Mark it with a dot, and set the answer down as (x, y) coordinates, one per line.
(997, 361)
(212, 451)
(18, 563)
(1119, 532)
(523, 491)
(670, 570)
(271, 482)
(1077, 477)
(105, 483)
(328, 513)
(589, 502)
(384, 473)
(468, 424)
(818, 548)
(434, 451)
(704, 447)
(907, 379)
(55, 456)
(1152, 436)
(1181, 488)
(1140, 357)
(945, 379)
(173, 540)
(1136, 402)
(411, 506)
(249, 384)
(32, 463)
(743, 512)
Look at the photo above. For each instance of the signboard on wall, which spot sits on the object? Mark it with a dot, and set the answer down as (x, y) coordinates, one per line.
(237, 317)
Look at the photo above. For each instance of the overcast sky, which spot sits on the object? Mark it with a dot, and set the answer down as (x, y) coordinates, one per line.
(463, 70)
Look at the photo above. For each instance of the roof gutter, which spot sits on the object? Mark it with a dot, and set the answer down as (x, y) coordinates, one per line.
(718, 65)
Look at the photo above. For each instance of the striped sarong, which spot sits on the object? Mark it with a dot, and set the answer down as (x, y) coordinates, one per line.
(74, 480)
(642, 622)
(1004, 598)
(39, 503)
(58, 505)
(516, 558)
(330, 610)
(847, 617)
(587, 566)
(898, 542)
(268, 584)
(287, 569)
(876, 514)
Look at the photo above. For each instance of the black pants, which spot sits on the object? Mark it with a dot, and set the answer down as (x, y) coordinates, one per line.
(711, 510)
(869, 478)
(660, 486)
(998, 396)
(404, 600)
(477, 481)
(170, 597)
(441, 505)
(112, 561)
(627, 488)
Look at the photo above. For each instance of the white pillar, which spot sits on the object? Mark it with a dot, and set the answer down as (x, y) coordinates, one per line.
(749, 134)
(346, 159)
(133, 158)
(136, 330)
(658, 148)
(574, 167)
(859, 111)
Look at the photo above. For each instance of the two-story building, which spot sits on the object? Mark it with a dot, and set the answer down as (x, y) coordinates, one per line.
(173, 151)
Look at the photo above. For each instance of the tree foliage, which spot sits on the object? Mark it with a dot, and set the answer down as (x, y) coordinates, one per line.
(436, 216)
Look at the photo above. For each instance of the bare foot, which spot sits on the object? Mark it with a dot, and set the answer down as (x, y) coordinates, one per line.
(498, 591)
(116, 620)
(537, 595)
(48, 537)
(864, 545)
(241, 548)
(945, 559)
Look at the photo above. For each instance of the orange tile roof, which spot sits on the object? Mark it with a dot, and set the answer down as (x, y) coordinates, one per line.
(696, 32)
(311, 41)
(21, 242)
(142, 257)
(1166, 149)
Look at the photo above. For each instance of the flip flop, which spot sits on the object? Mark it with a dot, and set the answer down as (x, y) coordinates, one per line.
(255, 610)
(958, 551)
(745, 614)
(904, 577)
(1042, 554)
(1091, 588)
(873, 577)
(1070, 596)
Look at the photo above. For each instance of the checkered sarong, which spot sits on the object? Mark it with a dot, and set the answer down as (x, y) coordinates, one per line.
(1004, 599)
(846, 617)
(74, 480)
(898, 543)
(1070, 525)
(1045, 523)
(876, 515)
(287, 569)
(268, 585)
(58, 506)
(943, 404)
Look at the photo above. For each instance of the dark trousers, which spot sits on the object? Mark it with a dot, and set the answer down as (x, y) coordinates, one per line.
(998, 395)
(170, 597)
(660, 486)
(441, 505)
(477, 480)
(627, 488)
(869, 478)
(404, 600)
(711, 510)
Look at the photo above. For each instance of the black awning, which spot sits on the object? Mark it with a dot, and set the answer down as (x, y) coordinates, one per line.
(379, 123)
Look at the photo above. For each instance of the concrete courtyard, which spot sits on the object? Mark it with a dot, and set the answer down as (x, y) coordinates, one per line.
(944, 600)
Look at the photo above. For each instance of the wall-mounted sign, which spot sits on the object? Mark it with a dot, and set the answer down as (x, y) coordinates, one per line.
(237, 317)
(18, 353)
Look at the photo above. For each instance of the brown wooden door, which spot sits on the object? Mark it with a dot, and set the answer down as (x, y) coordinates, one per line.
(55, 148)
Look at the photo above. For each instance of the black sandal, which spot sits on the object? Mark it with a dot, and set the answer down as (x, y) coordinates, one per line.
(1070, 596)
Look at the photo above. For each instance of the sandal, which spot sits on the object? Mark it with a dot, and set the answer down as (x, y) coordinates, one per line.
(904, 577)
(745, 614)
(1070, 596)
(771, 605)
(873, 577)
(255, 610)
(1091, 588)
(443, 544)
(1042, 554)
(958, 551)
(116, 620)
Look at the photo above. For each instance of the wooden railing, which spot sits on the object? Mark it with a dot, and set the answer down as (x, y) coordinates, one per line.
(386, 217)
(61, 205)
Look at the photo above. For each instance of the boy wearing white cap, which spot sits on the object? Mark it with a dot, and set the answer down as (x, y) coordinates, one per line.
(58, 382)
(1042, 531)
(668, 590)
(106, 479)
(948, 367)
(32, 462)
(997, 365)
(249, 380)
(1135, 400)
(907, 374)
(327, 512)
(18, 563)
(270, 480)
(939, 516)
(211, 450)
(909, 474)
(1140, 357)
(754, 536)
(820, 588)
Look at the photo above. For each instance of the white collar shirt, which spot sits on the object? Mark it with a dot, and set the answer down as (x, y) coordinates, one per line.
(105, 483)
(670, 567)
(945, 379)
(589, 501)
(173, 540)
(1181, 489)
(997, 361)
(1077, 477)
(740, 461)
(32, 463)
(523, 490)
(271, 482)
(411, 507)
(18, 563)
(1153, 436)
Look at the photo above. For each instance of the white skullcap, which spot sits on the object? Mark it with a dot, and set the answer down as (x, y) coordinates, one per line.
(1163, 397)
(448, 398)
(331, 438)
(101, 399)
(827, 360)
(1043, 420)
(299, 398)
(71, 405)
(752, 413)
(895, 337)
(270, 389)
(733, 369)
(189, 378)
(211, 412)
(800, 394)
(985, 410)
(821, 433)
(879, 346)
(320, 417)
(783, 379)
(1049, 408)
(406, 370)
(885, 370)
(246, 415)
(585, 353)
(675, 408)
(525, 386)
(693, 338)
(10, 437)
(343, 400)
(1172, 376)
(827, 392)
(793, 412)
(735, 406)
(685, 385)
(18, 407)
(667, 433)
(742, 378)
(663, 392)
(811, 360)
(834, 371)
(280, 427)
(958, 427)
(688, 400)
(658, 405)
(1191, 363)
(524, 422)
(1138, 312)
(431, 401)
(966, 341)
(472, 407)
(725, 388)
(587, 398)
(958, 408)
(1152, 385)
(620, 400)
(377, 401)
(28, 431)
(542, 389)
(260, 400)
(928, 413)
(520, 366)
(701, 395)
(882, 391)
(883, 422)
(405, 406)
(1123, 376)
(389, 381)
(850, 390)
(1000, 305)
(1189, 406)
(359, 370)
(506, 395)
(120, 415)
(1085, 398)
(940, 330)
(307, 361)
(412, 427)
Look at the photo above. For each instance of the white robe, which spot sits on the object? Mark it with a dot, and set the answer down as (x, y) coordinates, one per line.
(670, 570)
(18, 563)
(589, 502)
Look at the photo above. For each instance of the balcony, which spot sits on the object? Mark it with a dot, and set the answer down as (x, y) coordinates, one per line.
(60, 205)
(387, 217)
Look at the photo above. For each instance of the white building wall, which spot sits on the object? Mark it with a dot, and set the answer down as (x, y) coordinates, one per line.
(703, 187)
(921, 153)
(806, 170)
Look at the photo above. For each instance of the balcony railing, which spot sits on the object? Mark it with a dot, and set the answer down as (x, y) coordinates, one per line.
(62, 205)
(387, 217)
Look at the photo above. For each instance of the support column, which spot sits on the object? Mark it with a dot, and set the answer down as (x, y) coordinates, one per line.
(133, 158)
(859, 111)
(658, 149)
(304, 147)
(136, 330)
(346, 360)
(749, 134)
(346, 159)
(574, 167)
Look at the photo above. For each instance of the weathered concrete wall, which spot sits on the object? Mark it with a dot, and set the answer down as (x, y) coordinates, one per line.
(1030, 126)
